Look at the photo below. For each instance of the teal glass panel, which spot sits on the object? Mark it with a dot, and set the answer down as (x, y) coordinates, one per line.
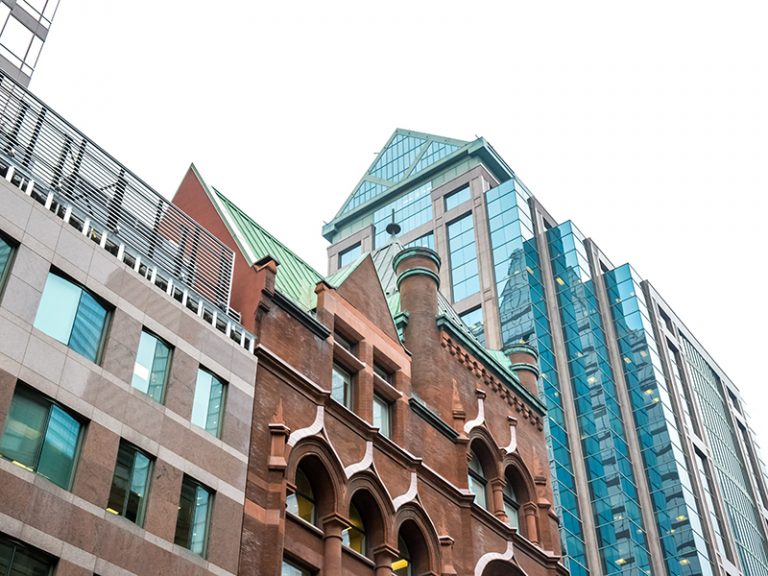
(435, 152)
(127, 496)
(426, 241)
(24, 430)
(456, 198)
(474, 321)
(58, 308)
(57, 457)
(349, 255)
(6, 250)
(194, 515)
(150, 371)
(6, 556)
(208, 402)
(88, 328)
(411, 210)
(72, 316)
(365, 191)
(463, 257)
(200, 520)
(396, 159)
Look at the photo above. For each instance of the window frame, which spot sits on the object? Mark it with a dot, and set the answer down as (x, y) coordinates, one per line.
(17, 545)
(347, 399)
(142, 509)
(477, 477)
(166, 376)
(191, 482)
(40, 399)
(222, 407)
(106, 307)
(297, 495)
(5, 272)
(386, 408)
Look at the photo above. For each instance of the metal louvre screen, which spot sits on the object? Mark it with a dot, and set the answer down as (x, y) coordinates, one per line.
(46, 150)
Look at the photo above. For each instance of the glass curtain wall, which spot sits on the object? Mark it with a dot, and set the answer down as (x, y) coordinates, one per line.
(619, 525)
(675, 508)
(524, 319)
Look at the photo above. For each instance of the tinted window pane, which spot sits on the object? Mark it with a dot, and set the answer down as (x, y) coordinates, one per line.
(57, 458)
(19, 560)
(340, 384)
(194, 512)
(200, 520)
(5, 257)
(381, 415)
(151, 367)
(129, 484)
(208, 402)
(58, 307)
(349, 255)
(23, 430)
(88, 327)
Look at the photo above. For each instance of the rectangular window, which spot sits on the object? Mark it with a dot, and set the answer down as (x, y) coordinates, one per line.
(128, 496)
(194, 516)
(41, 436)
(291, 569)
(458, 197)
(463, 256)
(6, 251)
(341, 386)
(208, 404)
(17, 559)
(344, 342)
(425, 241)
(349, 255)
(381, 415)
(382, 373)
(72, 315)
(150, 371)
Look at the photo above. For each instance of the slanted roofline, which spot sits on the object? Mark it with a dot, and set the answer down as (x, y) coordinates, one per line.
(384, 190)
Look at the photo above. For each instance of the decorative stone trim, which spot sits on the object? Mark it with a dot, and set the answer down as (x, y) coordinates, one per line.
(494, 384)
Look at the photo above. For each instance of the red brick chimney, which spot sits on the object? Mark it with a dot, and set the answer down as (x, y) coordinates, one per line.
(525, 363)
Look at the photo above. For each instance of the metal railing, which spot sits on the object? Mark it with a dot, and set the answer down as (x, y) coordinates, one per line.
(56, 160)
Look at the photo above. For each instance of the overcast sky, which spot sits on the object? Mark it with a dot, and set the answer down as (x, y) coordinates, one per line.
(644, 123)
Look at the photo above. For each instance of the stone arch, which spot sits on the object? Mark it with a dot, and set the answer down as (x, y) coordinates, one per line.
(488, 451)
(517, 474)
(420, 536)
(324, 471)
(502, 568)
(366, 492)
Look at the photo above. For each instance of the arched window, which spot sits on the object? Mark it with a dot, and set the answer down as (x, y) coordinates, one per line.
(302, 502)
(354, 536)
(478, 484)
(511, 505)
(403, 566)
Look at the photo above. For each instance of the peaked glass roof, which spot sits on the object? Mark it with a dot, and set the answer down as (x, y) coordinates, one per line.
(406, 154)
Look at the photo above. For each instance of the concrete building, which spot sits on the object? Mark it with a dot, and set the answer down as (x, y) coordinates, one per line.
(656, 469)
(175, 400)
(125, 410)
(24, 26)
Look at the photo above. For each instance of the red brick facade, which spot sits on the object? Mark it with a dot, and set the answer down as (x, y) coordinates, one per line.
(446, 402)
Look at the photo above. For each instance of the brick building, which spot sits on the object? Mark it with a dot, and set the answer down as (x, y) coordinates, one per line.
(385, 438)
(179, 401)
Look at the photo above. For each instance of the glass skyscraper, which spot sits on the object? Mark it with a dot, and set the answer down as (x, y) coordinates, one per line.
(654, 467)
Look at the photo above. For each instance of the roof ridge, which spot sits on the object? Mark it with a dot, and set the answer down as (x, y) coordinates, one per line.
(266, 232)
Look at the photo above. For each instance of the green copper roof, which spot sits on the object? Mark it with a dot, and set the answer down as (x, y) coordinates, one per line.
(405, 155)
(295, 279)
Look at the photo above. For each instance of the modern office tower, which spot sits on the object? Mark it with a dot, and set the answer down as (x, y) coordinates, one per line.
(24, 26)
(656, 470)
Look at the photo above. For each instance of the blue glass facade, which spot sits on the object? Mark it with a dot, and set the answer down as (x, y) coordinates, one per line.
(730, 472)
(613, 488)
(524, 318)
(681, 436)
(465, 279)
(669, 482)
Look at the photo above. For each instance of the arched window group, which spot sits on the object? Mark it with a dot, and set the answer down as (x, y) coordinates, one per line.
(482, 469)
(368, 524)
